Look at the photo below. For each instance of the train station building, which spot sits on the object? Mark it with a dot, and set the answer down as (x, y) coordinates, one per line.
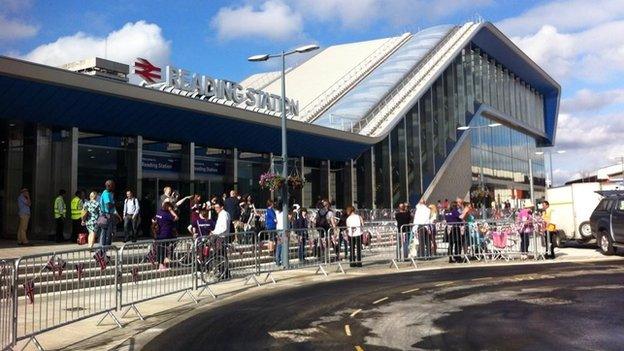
(444, 112)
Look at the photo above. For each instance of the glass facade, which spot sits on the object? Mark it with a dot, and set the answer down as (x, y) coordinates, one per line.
(422, 140)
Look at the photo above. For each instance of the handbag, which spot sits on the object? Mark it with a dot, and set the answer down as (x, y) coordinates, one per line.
(102, 221)
(82, 238)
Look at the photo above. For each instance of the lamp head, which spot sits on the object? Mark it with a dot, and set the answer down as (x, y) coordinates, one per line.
(257, 58)
(463, 128)
(492, 125)
(306, 48)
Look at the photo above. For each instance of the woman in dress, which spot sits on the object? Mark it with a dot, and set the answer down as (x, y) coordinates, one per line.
(91, 213)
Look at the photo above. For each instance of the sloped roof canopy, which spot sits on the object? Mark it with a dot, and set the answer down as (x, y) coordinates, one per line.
(56, 97)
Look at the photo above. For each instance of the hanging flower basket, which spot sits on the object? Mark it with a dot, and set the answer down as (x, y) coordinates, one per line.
(296, 182)
(271, 181)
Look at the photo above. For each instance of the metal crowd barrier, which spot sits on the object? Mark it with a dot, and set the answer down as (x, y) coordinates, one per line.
(155, 268)
(378, 243)
(55, 289)
(7, 332)
(307, 247)
(465, 242)
(41, 292)
(224, 257)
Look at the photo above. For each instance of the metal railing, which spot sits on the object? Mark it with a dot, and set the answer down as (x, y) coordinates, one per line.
(39, 293)
(7, 286)
(154, 268)
(58, 288)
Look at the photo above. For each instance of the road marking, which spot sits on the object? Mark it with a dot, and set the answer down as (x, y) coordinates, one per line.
(347, 330)
(444, 283)
(358, 348)
(409, 291)
(380, 300)
(295, 335)
(355, 312)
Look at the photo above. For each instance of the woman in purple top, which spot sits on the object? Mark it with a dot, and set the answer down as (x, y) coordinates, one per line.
(454, 224)
(165, 229)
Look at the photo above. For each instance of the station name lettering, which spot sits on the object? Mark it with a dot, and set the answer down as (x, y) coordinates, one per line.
(206, 87)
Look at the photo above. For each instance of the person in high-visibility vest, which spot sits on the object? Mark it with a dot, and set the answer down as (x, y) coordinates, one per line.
(60, 212)
(76, 214)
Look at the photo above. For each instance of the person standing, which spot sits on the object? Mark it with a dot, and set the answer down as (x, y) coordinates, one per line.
(23, 210)
(300, 224)
(131, 216)
(92, 213)
(403, 219)
(233, 209)
(109, 213)
(354, 223)
(75, 208)
(60, 211)
(222, 227)
(165, 219)
(279, 226)
(454, 222)
(550, 235)
(525, 219)
(422, 220)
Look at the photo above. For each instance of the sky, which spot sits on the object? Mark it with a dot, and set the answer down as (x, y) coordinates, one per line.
(580, 43)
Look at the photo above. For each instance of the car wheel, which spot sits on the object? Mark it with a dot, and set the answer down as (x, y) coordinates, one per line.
(585, 230)
(605, 243)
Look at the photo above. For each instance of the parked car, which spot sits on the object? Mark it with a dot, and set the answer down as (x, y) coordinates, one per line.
(607, 221)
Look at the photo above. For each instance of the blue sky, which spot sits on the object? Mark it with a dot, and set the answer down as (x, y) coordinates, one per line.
(580, 43)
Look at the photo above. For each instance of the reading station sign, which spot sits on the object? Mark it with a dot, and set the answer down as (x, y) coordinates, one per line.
(203, 87)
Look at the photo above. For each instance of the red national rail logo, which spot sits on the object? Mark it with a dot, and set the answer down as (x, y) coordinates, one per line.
(146, 70)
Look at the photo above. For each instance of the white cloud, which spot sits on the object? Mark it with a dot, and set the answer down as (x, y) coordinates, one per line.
(589, 141)
(595, 54)
(571, 15)
(272, 20)
(11, 29)
(588, 100)
(123, 45)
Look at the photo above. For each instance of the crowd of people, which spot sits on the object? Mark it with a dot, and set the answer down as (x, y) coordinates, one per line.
(419, 228)
(96, 219)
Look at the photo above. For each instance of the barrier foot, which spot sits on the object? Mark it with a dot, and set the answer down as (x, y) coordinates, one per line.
(136, 311)
(207, 287)
(320, 269)
(269, 275)
(252, 277)
(394, 263)
(188, 292)
(109, 313)
(34, 341)
(413, 262)
(340, 269)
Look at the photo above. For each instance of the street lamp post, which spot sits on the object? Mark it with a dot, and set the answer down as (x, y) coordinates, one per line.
(282, 56)
(478, 128)
(550, 164)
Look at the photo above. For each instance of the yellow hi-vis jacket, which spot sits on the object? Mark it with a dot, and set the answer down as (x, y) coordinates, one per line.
(59, 207)
(76, 208)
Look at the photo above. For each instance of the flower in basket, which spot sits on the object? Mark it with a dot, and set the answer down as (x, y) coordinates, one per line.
(270, 180)
(296, 181)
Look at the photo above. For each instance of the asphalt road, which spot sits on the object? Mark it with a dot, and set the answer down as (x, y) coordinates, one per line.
(566, 306)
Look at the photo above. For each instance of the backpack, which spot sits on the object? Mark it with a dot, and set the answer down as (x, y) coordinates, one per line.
(321, 219)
